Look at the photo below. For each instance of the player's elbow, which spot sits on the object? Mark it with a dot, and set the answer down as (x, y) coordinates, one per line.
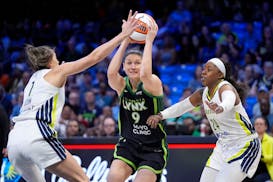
(111, 73)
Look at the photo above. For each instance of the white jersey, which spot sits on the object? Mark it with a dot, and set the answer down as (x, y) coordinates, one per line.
(237, 139)
(228, 126)
(42, 100)
(33, 141)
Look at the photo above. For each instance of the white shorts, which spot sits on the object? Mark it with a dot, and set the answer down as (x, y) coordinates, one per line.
(32, 142)
(247, 157)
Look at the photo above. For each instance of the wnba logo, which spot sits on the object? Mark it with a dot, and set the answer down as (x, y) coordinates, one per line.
(144, 21)
(142, 27)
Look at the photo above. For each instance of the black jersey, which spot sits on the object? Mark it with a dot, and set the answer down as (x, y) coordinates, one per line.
(135, 108)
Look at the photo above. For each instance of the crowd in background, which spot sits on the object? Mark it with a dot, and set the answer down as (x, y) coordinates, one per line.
(190, 32)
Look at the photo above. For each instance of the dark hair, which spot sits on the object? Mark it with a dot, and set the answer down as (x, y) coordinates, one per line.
(240, 87)
(38, 57)
(263, 118)
(136, 51)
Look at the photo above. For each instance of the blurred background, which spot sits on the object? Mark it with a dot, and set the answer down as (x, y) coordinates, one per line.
(190, 33)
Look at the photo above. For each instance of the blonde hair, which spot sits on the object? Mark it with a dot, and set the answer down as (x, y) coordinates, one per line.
(38, 57)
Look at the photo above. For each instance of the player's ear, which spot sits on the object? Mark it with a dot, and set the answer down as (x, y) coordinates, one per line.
(220, 75)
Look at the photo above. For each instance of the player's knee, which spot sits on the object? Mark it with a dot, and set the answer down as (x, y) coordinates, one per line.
(115, 177)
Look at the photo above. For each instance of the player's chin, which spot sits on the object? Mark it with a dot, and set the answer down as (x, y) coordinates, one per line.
(134, 75)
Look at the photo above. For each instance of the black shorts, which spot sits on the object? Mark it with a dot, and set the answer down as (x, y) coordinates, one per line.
(139, 156)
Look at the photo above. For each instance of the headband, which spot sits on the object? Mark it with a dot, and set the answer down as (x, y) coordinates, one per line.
(219, 64)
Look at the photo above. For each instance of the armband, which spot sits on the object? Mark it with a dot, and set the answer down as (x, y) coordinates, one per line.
(228, 100)
(177, 109)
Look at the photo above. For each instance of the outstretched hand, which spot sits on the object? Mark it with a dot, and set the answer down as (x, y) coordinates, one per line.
(130, 24)
(215, 107)
(153, 120)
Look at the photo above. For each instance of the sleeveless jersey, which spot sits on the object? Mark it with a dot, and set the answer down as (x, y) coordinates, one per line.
(135, 108)
(237, 139)
(42, 101)
(228, 126)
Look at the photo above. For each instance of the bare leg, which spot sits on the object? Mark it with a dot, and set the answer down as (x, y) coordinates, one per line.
(145, 175)
(119, 171)
(69, 169)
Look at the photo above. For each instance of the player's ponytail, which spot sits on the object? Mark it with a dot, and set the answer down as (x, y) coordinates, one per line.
(240, 87)
(38, 57)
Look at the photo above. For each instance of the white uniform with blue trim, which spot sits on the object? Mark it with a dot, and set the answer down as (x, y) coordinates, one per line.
(237, 139)
(32, 142)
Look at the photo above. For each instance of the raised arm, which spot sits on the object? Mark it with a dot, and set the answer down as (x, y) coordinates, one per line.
(59, 73)
(115, 80)
(150, 81)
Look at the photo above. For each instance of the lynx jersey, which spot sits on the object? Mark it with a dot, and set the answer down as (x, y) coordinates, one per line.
(135, 108)
(42, 100)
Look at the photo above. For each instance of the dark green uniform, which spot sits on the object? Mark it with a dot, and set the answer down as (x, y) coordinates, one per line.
(140, 146)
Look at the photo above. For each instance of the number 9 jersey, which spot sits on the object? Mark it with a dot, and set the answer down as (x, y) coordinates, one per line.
(135, 108)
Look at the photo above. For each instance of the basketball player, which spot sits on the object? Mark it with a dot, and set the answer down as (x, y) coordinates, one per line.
(140, 148)
(33, 144)
(237, 152)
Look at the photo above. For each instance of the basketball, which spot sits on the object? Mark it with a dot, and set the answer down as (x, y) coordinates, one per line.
(144, 21)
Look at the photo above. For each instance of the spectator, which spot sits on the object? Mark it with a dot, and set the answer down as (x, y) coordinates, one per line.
(74, 101)
(187, 52)
(188, 126)
(225, 30)
(21, 82)
(267, 78)
(103, 97)
(90, 110)
(205, 129)
(85, 84)
(231, 47)
(246, 77)
(97, 129)
(109, 126)
(264, 107)
(180, 14)
(66, 115)
(72, 129)
(250, 38)
(265, 47)
(207, 44)
(167, 53)
(265, 168)
(195, 82)
(268, 75)
(99, 78)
